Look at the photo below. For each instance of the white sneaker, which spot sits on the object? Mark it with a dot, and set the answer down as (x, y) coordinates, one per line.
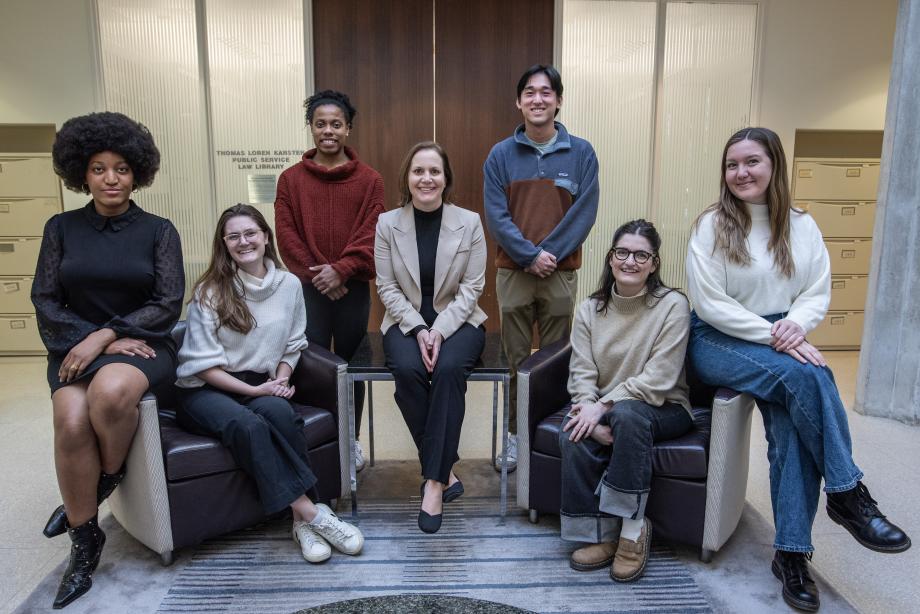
(358, 455)
(511, 445)
(344, 537)
(313, 547)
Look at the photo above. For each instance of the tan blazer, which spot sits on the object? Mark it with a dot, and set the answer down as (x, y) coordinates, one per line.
(459, 270)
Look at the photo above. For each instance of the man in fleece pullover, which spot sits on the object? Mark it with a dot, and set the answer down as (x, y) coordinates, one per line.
(541, 196)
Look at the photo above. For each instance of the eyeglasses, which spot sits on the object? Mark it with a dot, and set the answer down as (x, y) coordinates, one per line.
(234, 237)
(640, 256)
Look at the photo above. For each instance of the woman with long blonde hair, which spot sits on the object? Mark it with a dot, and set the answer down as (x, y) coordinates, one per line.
(759, 280)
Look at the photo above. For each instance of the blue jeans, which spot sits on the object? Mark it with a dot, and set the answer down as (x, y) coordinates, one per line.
(804, 420)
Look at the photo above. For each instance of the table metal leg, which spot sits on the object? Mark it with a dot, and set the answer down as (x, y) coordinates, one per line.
(506, 382)
(352, 474)
(494, 417)
(370, 416)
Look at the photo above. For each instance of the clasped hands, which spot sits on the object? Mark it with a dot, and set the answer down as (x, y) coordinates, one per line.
(584, 422)
(99, 342)
(789, 337)
(328, 282)
(277, 387)
(429, 344)
(543, 265)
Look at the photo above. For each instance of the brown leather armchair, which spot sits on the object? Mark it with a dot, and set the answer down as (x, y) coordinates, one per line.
(181, 488)
(699, 479)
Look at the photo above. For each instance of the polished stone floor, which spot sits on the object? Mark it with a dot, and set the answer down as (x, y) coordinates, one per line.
(887, 451)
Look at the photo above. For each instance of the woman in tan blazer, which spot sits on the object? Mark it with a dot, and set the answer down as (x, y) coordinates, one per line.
(431, 261)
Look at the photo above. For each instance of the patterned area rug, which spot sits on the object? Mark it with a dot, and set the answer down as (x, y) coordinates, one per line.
(476, 554)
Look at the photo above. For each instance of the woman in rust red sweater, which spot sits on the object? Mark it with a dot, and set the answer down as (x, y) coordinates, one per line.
(326, 211)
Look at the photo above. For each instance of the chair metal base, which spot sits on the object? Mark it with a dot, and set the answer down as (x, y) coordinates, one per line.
(167, 558)
(533, 516)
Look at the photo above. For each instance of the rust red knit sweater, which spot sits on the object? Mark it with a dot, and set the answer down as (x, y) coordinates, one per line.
(328, 216)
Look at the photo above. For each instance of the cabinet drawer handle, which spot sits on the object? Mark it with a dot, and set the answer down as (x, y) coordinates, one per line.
(848, 253)
(837, 285)
(848, 211)
(17, 324)
(838, 320)
(11, 286)
(7, 248)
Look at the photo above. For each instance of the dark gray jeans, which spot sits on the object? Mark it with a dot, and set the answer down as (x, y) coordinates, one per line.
(602, 484)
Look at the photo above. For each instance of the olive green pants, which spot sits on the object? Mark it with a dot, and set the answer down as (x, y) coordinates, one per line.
(524, 299)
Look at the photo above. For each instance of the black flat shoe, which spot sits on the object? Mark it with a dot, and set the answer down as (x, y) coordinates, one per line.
(85, 550)
(452, 492)
(799, 590)
(426, 522)
(57, 523)
(857, 512)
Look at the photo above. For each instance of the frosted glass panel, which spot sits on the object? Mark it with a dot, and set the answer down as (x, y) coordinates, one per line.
(608, 61)
(150, 70)
(705, 97)
(256, 66)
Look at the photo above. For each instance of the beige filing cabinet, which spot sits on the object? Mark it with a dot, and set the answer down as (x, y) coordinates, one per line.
(840, 194)
(30, 193)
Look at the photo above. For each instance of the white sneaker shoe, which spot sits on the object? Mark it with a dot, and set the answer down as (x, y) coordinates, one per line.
(344, 537)
(313, 547)
(358, 454)
(511, 446)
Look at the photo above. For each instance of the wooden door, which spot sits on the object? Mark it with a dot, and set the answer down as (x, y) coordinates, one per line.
(423, 69)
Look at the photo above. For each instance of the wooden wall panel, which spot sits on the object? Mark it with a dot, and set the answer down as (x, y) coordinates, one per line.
(482, 48)
(379, 52)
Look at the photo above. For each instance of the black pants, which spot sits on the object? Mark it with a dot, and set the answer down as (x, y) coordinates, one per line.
(433, 404)
(340, 326)
(263, 435)
(600, 482)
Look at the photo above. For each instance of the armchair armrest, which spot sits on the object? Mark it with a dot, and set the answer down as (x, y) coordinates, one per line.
(141, 503)
(541, 390)
(542, 380)
(729, 454)
(316, 378)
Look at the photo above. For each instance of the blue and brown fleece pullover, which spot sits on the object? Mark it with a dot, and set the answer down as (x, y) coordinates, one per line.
(537, 201)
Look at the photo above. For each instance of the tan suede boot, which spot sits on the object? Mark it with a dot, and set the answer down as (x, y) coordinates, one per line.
(595, 556)
(631, 556)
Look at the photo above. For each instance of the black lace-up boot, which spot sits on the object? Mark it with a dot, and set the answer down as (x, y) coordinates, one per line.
(799, 589)
(56, 524)
(85, 550)
(858, 513)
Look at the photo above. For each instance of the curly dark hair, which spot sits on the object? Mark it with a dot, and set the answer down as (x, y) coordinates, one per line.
(330, 97)
(80, 138)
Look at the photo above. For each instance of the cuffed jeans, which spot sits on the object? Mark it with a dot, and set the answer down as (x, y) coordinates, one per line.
(263, 434)
(602, 484)
(433, 404)
(806, 427)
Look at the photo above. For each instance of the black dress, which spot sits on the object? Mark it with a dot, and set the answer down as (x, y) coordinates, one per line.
(123, 273)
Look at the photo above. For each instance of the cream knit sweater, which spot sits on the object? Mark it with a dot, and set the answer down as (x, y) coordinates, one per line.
(732, 298)
(632, 351)
(276, 303)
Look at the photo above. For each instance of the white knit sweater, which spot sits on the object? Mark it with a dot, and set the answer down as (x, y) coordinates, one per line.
(732, 298)
(276, 303)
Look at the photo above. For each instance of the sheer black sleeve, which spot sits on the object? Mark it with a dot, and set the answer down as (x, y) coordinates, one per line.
(161, 311)
(59, 327)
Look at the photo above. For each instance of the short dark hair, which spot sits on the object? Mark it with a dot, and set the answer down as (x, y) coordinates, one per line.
(330, 97)
(555, 79)
(81, 138)
(405, 197)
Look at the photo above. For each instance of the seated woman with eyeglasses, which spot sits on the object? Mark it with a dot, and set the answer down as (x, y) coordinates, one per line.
(626, 380)
(245, 333)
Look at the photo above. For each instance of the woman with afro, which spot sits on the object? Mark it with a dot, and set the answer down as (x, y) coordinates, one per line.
(108, 289)
(326, 210)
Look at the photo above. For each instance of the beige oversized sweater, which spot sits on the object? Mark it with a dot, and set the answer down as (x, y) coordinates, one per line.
(632, 351)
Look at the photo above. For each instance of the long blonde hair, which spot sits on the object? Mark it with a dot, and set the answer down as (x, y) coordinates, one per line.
(732, 220)
(218, 285)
